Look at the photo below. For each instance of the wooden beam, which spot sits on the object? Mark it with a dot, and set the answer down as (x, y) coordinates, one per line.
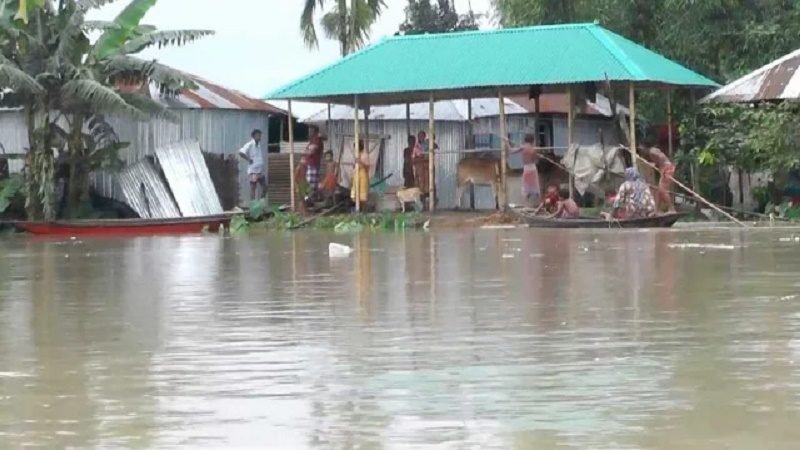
(503, 153)
(571, 135)
(292, 181)
(669, 124)
(632, 120)
(354, 183)
(431, 155)
(328, 124)
(408, 119)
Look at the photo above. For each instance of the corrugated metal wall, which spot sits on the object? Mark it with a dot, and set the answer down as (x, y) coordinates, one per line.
(451, 137)
(218, 131)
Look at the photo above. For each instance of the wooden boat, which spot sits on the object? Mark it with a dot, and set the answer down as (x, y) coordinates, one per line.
(126, 227)
(535, 221)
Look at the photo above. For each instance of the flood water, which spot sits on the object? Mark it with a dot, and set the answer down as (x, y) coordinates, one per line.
(461, 339)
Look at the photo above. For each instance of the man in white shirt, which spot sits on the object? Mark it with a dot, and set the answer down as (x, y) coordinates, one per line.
(251, 152)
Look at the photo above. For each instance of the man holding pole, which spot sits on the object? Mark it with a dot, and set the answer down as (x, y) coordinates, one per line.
(667, 170)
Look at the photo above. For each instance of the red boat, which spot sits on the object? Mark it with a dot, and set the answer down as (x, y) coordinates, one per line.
(126, 227)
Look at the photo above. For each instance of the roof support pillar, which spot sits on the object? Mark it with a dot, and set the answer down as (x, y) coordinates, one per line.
(292, 181)
(669, 124)
(571, 136)
(431, 155)
(408, 119)
(503, 194)
(470, 138)
(354, 183)
(328, 124)
(632, 107)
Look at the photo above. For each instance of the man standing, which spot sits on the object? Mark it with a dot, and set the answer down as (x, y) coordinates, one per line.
(313, 158)
(667, 170)
(252, 153)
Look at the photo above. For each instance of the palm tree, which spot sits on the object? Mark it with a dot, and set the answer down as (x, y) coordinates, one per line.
(349, 24)
(67, 84)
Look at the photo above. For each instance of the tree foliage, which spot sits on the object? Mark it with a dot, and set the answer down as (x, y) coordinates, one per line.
(66, 84)
(427, 16)
(722, 39)
(348, 21)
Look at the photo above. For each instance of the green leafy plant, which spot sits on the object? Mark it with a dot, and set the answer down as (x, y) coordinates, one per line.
(10, 189)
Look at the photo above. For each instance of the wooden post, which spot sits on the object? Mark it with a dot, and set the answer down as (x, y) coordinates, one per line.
(292, 181)
(408, 119)
(431, 156)
(328, 125)
(470, 138)
(471, 145)
(536, 107)
(366, 128)
(571, 135)
(669, 124)
(354, 183)
(632, 119)
(503, 152)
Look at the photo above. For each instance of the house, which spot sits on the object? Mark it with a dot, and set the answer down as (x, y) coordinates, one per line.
(221, 119)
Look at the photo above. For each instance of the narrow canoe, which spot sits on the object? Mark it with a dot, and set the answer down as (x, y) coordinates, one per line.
(126, 227)
(665, 221)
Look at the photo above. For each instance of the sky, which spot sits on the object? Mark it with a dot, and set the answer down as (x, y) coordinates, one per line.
(257, 46)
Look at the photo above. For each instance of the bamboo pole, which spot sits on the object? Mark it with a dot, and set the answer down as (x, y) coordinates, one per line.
(571, 134)
(470, 129)
(503, 152)
(697, 196)
(431, 156)
(632, 120)
(292, 181)
(536, 108)
(669, 124)
(408, 119)
(354, 183)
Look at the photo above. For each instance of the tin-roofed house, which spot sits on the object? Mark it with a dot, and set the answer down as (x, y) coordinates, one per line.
(220, 119)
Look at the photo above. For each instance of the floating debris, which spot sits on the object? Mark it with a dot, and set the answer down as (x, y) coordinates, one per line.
(339, 251)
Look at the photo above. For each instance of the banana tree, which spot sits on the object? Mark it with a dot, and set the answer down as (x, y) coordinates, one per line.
(67, 85)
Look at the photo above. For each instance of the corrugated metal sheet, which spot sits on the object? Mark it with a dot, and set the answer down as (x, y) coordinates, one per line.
(13, 136)
(469, 62)
(451, 110)
(778, 80)
(188, 178)
(145, 191)
(458, 110)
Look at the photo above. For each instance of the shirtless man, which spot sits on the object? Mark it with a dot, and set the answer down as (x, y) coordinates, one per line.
(531, 190)
(667, 170)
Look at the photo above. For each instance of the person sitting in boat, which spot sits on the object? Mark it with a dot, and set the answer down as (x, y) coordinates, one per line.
(550, 200)
(566, 208)
(634, 199)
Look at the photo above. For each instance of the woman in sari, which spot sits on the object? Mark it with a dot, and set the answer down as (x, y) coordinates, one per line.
(634, 199)
(360, 185)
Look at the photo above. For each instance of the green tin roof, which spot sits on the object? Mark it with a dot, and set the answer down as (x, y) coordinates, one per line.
(474, 63)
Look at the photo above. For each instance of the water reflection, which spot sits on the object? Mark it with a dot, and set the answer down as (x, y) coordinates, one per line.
(489, 339)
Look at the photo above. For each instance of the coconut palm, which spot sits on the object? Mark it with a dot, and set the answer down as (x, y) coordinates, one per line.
(348, 22)
(67, 84)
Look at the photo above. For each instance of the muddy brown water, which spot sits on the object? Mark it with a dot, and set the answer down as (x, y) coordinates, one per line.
(456, 339)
